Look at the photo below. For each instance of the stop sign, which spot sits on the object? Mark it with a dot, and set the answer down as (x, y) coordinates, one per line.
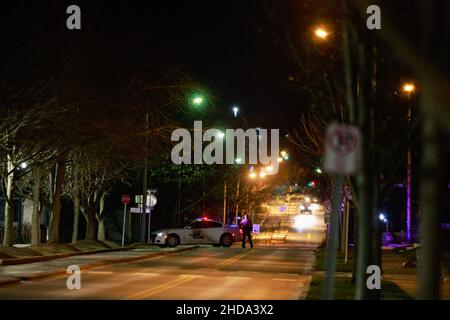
(126, 199)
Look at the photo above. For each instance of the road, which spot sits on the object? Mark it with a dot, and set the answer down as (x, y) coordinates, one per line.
(264, 272)
(269, 271)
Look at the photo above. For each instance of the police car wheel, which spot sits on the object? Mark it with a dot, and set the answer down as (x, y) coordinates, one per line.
(226, 240)
(172, 240)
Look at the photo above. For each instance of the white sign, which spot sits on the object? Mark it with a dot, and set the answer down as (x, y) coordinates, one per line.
(138, 199)
(256, 228)
(341, 147)
(139, 210)
(150, 200)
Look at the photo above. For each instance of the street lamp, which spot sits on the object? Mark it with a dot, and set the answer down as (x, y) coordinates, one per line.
(235, 111)
(197, 100)
(408, 88)
(269, 169)
(321, 33)
(318, 170)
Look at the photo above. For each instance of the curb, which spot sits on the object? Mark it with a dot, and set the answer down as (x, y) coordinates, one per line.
(92, 265)
(17, 261)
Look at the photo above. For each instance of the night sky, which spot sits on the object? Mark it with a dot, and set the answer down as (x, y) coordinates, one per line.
(218, 42)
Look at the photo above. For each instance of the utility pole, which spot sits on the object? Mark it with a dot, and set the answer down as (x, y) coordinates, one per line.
(144, 182)
(237, 199)
(408, 177)
(225, 201)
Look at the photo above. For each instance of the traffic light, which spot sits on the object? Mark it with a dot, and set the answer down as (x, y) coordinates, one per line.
(311, 184)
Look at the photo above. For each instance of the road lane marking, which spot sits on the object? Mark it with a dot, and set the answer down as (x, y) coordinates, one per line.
(167, 286)
(146, 274)
(279, 279)
(230, 260)
(100, 272)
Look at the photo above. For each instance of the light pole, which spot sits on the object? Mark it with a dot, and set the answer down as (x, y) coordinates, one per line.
(408, 89)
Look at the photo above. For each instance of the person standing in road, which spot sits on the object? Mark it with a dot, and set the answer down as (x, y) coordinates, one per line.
(247, 228)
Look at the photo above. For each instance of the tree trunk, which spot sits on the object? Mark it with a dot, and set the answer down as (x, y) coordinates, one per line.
(8, 237)
(76, 216)
(91, 223)
(55, 218)
(36, 218)
(101, 236)
(101, 220)
(433, 203)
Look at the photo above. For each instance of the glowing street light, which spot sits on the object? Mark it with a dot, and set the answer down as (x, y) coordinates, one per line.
(24, 165)
(409, 88)
(238, 160)
(280, 159)
(252, 175)
(235, 111)
(262, 174)
(283, 153)
(269, 169)
(321, 33)
(318, 170)
(197, 100)
(382, 217)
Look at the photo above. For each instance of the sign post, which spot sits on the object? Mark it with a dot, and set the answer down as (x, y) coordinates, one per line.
(125, 200)
(341, 147)
(150, 202)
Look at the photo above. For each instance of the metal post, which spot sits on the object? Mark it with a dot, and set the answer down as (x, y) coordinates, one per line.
(124, 219)
(149, 238)
(225, 201)
(408, 180)
(237, 199)
(347, 217)
(333, 240)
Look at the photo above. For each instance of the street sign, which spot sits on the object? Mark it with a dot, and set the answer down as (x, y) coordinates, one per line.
(341, 147)
(126, 199)
(256, 228)
(150, 200)
(139, 210)
(139, 199)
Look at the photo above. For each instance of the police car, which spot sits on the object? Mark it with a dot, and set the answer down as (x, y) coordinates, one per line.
(202, 231)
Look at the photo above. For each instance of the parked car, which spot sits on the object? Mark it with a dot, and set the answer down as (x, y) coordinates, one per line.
(204, 231)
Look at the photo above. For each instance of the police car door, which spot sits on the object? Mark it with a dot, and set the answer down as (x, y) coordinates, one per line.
(212, 231)
(196, 235)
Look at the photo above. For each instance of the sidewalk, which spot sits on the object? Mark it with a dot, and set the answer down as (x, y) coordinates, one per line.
(34, 270)
(405, 278)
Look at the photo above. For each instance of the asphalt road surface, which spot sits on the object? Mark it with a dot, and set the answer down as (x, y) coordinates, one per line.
(279, 271)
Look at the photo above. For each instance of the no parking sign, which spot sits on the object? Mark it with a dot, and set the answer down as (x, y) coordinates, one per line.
(341, 147)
